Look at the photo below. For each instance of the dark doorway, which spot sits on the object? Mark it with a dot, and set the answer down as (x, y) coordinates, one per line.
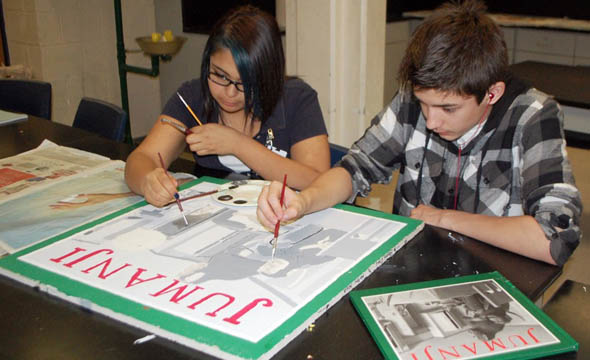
(200, 16)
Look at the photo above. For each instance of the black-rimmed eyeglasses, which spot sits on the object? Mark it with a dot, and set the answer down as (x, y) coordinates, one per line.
(222, 80)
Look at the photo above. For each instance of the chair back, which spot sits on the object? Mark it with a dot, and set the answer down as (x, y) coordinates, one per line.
(29, 97)
(336, 153)
(102, 118)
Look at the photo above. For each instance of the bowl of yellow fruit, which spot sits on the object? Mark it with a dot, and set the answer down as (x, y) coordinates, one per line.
(158, 44)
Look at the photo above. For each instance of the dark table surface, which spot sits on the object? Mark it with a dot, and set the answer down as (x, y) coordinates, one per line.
(23, 136)
(37, 326)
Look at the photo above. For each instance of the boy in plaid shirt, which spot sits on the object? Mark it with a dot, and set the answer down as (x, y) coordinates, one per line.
(479, 152)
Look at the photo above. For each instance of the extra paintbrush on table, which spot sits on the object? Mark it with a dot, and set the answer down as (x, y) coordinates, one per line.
(199, 195)
(275, 239)
(176, 196)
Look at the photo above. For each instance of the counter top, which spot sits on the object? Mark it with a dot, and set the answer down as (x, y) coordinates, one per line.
(523, 21)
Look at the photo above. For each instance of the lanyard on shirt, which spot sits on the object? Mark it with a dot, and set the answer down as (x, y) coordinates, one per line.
(269, 138)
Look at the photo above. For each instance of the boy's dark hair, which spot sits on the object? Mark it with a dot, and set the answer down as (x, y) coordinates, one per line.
(254, 39)
(458, 49)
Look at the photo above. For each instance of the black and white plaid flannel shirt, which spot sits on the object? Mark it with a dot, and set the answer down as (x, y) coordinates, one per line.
(516, 165)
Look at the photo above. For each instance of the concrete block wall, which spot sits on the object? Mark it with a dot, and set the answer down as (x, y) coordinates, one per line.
(72, 45)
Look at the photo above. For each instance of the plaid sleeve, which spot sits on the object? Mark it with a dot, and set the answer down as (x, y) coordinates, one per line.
(374, 157)
(549, 191)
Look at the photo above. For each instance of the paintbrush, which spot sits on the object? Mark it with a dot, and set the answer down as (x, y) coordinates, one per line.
(181, 128)
(199, 195)
(189, 108)
(275, 240)
(176, 196)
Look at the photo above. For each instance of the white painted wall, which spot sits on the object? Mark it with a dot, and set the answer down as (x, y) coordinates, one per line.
(139, 19)
(338, 48)
(186, 64)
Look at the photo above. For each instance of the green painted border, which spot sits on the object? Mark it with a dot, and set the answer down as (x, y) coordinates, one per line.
(190, 330)
(567, 343)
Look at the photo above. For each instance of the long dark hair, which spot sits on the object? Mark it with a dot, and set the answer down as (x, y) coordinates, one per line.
(254, 39)
(459, 49)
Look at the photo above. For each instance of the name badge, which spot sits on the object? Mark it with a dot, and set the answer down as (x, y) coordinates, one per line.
(279, 152)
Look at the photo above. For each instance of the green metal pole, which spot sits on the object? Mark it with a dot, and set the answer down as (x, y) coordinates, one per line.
(124, 68)
(154, 71)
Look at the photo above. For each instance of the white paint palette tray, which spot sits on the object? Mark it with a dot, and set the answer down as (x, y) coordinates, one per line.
(240, 192)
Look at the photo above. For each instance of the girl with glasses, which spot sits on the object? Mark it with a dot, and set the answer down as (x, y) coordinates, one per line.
(256, 121)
